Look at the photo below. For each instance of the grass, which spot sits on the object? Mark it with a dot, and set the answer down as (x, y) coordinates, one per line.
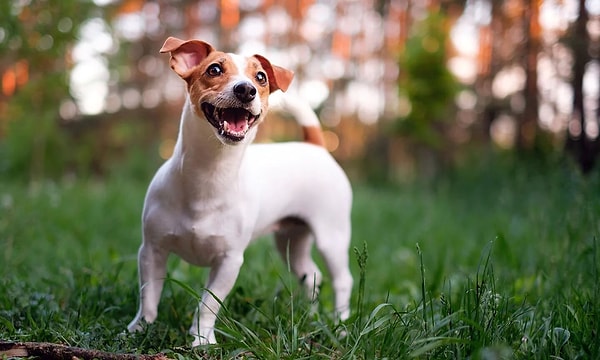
(500, 260)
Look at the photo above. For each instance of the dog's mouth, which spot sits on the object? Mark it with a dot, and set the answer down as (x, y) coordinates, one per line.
(231, 123)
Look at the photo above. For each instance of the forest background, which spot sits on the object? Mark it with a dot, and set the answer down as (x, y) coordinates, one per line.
(404, 88)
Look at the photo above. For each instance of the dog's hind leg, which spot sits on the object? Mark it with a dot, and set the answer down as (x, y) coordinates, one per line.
(333, 243)
(152, 264)
(294, 243)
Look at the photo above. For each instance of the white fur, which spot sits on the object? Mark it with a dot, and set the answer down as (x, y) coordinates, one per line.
(210, 199)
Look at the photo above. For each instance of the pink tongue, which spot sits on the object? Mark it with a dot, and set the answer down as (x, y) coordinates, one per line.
(236, 119)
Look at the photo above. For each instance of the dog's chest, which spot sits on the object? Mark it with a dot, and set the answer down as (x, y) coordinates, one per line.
(202, 239)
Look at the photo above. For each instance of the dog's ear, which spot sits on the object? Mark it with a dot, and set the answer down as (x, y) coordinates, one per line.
(279, 78)
(185, 55)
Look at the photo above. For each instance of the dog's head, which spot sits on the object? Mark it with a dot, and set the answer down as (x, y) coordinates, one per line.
(230, 91)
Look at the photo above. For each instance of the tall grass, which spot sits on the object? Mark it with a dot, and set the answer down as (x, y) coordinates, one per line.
(494, 261)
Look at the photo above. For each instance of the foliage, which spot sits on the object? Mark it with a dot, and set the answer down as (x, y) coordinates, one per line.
(425, 82)
(506, 266)
(39, 35)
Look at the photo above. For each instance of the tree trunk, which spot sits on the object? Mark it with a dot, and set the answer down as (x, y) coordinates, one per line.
(527, 129)
(582, 147)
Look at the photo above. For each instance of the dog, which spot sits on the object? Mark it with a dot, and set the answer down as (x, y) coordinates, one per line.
(217, 192)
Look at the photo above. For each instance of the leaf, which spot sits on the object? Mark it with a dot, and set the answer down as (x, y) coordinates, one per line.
(560, 337)
(433, 343)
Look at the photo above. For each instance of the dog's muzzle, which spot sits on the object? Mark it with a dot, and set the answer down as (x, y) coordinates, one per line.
(231, 123)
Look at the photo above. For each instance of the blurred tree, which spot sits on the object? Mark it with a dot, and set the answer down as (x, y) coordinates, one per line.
(426, 85)
(35, 42)
(583, 147)
(528, 124)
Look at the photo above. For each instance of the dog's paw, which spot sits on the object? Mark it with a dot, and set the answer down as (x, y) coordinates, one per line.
(135, 326)
(198, 341)
(209, 339)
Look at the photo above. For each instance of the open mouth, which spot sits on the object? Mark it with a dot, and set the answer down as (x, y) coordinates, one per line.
(231, 123)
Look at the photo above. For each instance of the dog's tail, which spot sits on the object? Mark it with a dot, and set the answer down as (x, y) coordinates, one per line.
(304, 115)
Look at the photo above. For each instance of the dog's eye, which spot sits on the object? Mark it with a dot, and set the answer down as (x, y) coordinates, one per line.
(261, 77)
(214, 70)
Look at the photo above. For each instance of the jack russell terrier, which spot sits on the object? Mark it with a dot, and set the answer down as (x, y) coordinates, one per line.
(217, 192)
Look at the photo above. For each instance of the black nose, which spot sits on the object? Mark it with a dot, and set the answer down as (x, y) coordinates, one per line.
(244, 91)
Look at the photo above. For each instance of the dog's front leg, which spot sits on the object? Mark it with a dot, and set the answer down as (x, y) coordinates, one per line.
(152, 264)
(220, 282)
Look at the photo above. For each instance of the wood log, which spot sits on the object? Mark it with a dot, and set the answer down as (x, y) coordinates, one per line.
(52, 351)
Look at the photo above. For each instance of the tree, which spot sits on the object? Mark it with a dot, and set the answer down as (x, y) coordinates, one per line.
(527, 129)
(34, 63)
(425, 81)
(428, 88)
(583, 147)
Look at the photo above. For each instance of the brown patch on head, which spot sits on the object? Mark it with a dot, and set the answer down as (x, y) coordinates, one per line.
(259, 77)
(279, 78)
(210, 75)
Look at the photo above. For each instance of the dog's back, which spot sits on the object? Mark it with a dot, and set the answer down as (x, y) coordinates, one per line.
(304, 181)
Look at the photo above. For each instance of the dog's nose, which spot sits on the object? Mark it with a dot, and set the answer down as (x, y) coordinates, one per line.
(244, 91)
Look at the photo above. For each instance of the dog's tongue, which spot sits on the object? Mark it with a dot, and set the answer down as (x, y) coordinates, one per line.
(236, 119)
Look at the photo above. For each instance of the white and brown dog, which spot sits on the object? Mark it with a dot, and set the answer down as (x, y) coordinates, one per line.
(217, 193)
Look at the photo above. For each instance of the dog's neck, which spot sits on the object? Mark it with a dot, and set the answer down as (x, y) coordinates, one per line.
(207, 166)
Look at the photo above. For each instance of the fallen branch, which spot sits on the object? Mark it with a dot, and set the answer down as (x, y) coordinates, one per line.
(62, 352)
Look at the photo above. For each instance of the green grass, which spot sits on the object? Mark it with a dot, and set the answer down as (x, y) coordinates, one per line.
(497, 261)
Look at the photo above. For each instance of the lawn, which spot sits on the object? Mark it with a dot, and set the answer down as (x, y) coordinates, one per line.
(499, 260)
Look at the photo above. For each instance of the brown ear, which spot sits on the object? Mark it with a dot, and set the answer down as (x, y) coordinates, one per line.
(185, 55)
(279, 78)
